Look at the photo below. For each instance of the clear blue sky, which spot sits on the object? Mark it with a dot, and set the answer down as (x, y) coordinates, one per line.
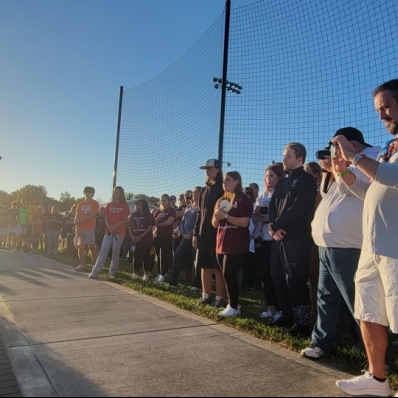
(307, 68)
(61, 67)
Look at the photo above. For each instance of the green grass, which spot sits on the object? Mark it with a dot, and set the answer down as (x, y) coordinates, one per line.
(346, 358)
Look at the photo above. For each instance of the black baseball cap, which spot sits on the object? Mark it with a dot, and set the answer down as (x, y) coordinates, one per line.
(353, 134)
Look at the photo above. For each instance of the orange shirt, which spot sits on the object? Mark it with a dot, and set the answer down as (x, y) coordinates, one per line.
(83, 210)
(116, 212)
(38, 218)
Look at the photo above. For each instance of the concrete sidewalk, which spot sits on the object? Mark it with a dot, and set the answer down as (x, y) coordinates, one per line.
(67, 335)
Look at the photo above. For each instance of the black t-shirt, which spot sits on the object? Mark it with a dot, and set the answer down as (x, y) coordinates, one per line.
(54, 222)
(100, 225)
(69, 223)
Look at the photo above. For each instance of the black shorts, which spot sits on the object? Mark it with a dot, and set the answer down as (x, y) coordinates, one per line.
(99, 239)
(29, 230)
(206, 256)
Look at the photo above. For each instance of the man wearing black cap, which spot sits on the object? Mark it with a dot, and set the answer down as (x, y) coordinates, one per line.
(337, 231)
(204, 236)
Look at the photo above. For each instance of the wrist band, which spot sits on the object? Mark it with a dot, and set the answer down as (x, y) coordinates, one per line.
(344, 174)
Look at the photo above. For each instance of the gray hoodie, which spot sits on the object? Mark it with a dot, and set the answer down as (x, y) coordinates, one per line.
(380, 213)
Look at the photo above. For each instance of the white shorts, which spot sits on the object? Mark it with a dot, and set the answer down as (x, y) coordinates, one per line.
(20, 230)
(376, 284)
(4, 231)
(89, 237)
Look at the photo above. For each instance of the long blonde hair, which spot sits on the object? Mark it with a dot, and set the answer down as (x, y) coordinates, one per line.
(164, 196)
(232, 197)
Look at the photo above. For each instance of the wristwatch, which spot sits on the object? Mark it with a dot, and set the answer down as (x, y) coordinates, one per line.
(357, 158)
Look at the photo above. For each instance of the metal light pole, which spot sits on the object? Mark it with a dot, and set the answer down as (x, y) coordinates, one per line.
(224, 80)
(119, 120)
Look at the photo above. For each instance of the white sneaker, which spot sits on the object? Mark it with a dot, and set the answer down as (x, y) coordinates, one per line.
(93, 275)
(229, 312)
(365, 385)
(157, 278)
(80, 268)
(312, 352)
(134, 277)
(267, 315)
(277, 316)
(160, 279)
(146, 278)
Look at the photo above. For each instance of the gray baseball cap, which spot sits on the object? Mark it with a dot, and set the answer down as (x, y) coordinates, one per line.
(211, 163)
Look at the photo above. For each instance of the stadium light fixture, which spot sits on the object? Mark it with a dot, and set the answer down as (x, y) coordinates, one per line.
(230, 86)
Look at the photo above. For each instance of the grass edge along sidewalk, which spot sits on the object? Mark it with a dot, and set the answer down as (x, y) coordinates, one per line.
(346, 358)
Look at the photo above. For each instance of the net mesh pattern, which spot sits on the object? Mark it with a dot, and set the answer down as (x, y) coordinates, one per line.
(170, 125)
(306, 68)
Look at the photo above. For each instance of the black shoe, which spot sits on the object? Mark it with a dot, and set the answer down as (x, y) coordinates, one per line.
(204, 301)
(218, 303)
(297, 329)
(282, 322)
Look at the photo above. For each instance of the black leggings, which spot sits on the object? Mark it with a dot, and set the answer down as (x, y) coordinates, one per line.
(142, 256)
(164, 251)
(230, 265)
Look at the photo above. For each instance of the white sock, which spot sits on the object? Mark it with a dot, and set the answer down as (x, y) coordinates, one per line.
(205, 296)
(219, 298)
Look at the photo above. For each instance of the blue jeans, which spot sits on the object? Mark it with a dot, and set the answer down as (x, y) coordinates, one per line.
(336, 283)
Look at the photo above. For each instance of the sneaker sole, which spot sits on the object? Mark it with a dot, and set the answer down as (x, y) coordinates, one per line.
(311, 358)
(363, 393)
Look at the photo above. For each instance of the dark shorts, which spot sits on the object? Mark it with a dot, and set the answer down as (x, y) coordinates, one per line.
(206, 256)
(99, 239)
(29, 230)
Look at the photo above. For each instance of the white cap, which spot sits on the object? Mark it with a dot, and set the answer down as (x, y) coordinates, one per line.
(211, 163)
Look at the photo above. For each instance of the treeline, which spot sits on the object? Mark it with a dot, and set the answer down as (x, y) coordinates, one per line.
(65, 201)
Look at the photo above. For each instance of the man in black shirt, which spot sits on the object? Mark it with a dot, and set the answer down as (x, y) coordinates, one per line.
(291, 212)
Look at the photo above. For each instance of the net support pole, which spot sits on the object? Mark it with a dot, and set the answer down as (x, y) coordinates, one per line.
(119, 120)
(224, 81)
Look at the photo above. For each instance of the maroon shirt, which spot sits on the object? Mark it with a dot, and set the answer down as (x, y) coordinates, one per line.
(230, 238)
(166, 231)
(139, 223)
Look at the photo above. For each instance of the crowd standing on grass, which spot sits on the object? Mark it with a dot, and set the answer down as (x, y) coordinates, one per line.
(320, 241)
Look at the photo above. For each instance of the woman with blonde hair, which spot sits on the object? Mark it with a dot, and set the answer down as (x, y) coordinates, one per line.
(116, 216)
(231, 218)
(164, 222)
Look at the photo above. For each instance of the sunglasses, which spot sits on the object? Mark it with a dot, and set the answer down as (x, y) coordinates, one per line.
(387, 151)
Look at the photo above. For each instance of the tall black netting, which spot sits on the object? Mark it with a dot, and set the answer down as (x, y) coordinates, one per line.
(307, 68)
(170, 124)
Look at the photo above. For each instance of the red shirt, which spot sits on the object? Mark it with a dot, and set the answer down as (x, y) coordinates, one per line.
(38, 218)
(230, 238)
(166, 231)
(139, 224)
(116, 212)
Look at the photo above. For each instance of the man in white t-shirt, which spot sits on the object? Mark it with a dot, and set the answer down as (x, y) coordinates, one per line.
(337, 231)
(376, 300)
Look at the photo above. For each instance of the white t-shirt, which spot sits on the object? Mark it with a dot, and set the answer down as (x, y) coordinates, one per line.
(261, 228)
(338, 219)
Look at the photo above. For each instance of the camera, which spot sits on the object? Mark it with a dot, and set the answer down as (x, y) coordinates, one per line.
(328, 151)
(264, 211)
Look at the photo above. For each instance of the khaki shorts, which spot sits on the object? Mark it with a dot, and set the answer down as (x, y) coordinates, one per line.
(376, 284)
(89, 237)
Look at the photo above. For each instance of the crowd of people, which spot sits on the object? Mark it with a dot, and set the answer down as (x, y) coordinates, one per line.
(319, 241)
